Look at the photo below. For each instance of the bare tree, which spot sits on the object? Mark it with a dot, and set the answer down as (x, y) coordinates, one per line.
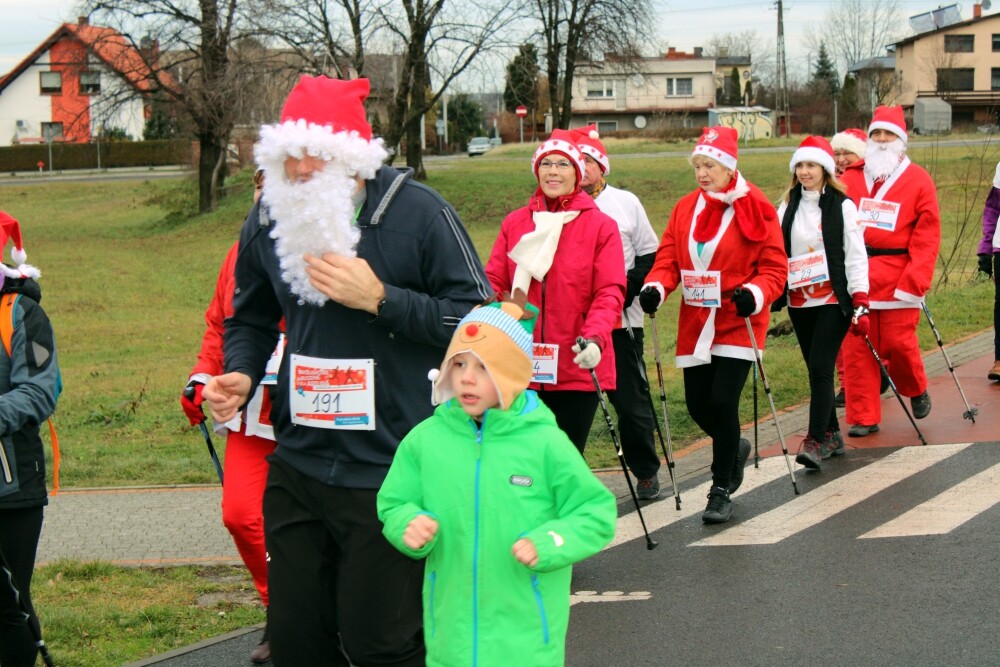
(575, 31)
(200, 35)
(746, 43)
(856, 30)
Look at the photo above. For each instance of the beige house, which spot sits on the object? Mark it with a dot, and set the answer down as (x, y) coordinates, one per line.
(674, 90)
(959, 63)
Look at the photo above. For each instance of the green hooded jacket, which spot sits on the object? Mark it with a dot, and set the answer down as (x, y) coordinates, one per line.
(517, 475)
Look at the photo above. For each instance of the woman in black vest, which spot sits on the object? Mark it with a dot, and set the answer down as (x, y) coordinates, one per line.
(827, 290)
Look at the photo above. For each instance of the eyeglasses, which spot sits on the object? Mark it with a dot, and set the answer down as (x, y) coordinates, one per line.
(560, 166)
(842, 153)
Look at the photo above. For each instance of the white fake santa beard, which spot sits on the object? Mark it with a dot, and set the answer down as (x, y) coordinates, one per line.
(315, 217)
(882, 159)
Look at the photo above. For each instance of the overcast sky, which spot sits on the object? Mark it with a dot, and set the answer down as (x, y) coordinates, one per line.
(684, 24)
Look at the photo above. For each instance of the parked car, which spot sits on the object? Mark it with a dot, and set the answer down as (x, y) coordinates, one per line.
(496, 141)
(479, 145)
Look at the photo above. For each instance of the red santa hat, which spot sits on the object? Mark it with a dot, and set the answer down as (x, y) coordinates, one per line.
(562, 142)
(889, 118)
(851, 140)
(814, 149)
(589, 141)
(11, 229)
(324, 118)
(719, 143)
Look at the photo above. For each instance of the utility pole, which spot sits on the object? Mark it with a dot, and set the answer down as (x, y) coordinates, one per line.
(783, 72)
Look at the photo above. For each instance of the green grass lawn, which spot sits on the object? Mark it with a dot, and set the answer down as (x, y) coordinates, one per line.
(129, 267)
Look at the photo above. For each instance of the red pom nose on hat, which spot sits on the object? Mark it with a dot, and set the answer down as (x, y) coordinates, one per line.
(589, 141)
(720, 144)
(562, 142)
(817, 150)
(335, 103)
(889, 118)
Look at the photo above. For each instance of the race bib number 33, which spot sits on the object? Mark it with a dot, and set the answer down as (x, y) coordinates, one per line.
(332, 393)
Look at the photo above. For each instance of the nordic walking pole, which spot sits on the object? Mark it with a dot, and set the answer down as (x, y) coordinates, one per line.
(892, 385)
(29, 615)
(189, 393)
(650, 544)
(970, 412)
(668, 450)
(756, 454)
(770, 399)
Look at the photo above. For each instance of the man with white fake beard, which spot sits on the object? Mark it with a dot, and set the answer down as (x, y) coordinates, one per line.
(897, 204)
(371, 272)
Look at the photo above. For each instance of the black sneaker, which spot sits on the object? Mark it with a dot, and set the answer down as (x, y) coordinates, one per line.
(719, 508)
(742, 454)
(921, 405)
(648, 489)
(839, 400)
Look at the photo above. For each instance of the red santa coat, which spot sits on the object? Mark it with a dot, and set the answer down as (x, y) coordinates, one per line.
(902, 280)
(761, 267)
(581, 295)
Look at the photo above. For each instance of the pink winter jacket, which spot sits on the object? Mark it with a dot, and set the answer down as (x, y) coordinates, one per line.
(583, 292)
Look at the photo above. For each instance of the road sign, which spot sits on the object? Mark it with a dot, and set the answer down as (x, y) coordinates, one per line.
(521, 111)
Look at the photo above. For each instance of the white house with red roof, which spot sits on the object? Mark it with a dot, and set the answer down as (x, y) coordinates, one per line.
(81, 79)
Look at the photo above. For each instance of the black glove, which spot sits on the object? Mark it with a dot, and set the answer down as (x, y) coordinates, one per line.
(635, 277)
(649, 300)
(744, 302)
(986, 264)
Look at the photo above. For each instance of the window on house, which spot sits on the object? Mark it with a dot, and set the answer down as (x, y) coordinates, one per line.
(600, 88)
(51, 83)
(956, 79)
(90, 83)
(995, 78)
(52, 131)
(677, 87)
(996, 43)
(959, 43)
(606, 126)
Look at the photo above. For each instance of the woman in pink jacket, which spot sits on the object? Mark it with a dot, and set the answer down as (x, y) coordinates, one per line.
(567, 256)
(723, 248)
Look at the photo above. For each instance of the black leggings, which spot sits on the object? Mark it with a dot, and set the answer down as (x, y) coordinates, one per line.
(19, 533)
(820, 330)
(712, 393)
(574, 411)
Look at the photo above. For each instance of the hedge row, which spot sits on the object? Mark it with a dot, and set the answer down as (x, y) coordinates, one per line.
(85, 156)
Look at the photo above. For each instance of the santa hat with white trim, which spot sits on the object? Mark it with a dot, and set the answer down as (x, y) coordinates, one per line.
(10, 228)
(324, 118)
(589, 141)
(814, 149)
(889, 118)
(720, 144)
(851, 140)
(562, 142)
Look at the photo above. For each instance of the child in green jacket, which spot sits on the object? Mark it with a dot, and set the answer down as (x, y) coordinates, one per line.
(497, 499)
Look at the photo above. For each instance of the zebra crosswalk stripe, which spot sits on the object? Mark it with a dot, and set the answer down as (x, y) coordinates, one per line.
(827, 500)
(948, 510)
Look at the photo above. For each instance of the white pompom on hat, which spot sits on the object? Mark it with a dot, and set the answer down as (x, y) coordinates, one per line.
(814, 149)
(562, 142)
(720, 144)
(589, 141)
(889, 118)
(326, 118)
(851, 140)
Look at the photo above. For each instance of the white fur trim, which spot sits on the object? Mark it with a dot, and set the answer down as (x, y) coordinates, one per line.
(18, 255)
(597, 155)
(741, 189)
(813, 154)
(559, 146)
(849, 143)
(298, 139)
(758, 297)
(884, 125)
(22, 271)
(725, 159)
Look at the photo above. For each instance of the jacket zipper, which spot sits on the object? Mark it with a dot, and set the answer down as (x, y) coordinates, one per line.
(8, 475)
(430, 601)
(475, 548)
(541, 608)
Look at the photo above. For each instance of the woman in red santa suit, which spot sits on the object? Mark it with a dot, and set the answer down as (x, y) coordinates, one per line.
(898, 207)
(566, 255)
(723, 249)
(827, 284)
(249, 440)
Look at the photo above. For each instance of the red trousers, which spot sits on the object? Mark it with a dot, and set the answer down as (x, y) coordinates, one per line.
(894, 335)
(245, 469)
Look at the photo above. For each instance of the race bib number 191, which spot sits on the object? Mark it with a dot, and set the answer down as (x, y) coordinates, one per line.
(332, 393)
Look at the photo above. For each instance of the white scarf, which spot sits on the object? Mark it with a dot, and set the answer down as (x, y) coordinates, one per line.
(535, 251)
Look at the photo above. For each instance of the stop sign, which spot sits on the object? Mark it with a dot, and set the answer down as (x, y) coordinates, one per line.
(521, 111)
